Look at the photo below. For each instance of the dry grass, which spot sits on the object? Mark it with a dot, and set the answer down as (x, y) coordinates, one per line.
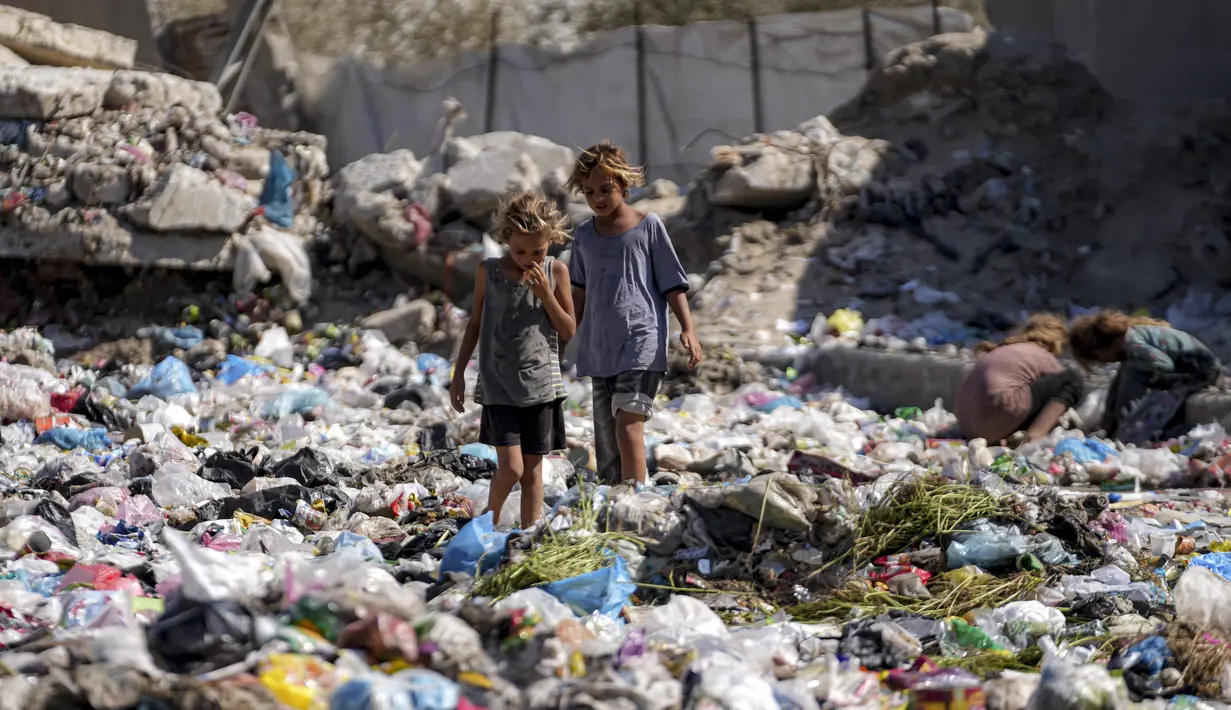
(397, 31)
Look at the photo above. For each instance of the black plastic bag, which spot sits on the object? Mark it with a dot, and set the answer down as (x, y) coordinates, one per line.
(231, 468)
(727, 527)
(88, 407)
(308, 467)
(192, 637)
(436, 438)
(270, 502)
(422, 396)
(55, 514)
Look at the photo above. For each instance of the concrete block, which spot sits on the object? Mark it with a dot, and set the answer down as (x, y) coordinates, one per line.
(41, 40)
(46, 93)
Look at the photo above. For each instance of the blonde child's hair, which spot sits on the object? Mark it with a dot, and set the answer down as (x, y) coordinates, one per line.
(1046, 330)
(609, 158)
(1097, 332)
(531, 213)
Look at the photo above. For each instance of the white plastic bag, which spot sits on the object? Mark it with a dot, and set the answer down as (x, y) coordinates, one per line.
(1203, 599)
(257, 252)
(275, 345)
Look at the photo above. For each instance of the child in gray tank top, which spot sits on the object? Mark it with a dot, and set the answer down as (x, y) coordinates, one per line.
(522, 308)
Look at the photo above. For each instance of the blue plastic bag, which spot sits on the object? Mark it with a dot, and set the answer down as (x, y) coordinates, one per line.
(478, 547)
(169, 378)
(414, 689)
(1085, 450)
(277, 198)
(604, 591)
(296, 402)
(183, 338)
(69, 438)
(235, 368)
(1217, 562)
(482, 451)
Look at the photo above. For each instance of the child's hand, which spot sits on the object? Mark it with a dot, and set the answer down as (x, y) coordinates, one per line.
(536, 279)
(692, 346)
(457, 392)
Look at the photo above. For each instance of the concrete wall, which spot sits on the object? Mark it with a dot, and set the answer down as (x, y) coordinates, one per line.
(126, 18)
(1151, 51)
(699, 87)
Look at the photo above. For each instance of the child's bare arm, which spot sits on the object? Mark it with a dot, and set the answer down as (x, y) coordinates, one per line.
(559, 302)
(470, 339)
(579, 304)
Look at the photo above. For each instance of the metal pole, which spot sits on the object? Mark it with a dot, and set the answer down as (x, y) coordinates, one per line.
(250, 16)
(249, 60)
(493, 70)
(642, 134)
(869, 47)
(936, 28)
(754, 46)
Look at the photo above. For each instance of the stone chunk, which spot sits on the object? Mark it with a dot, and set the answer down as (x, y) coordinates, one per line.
(187, 199)
(477, 184)
(101, 184)
(156, 90)
(378, 172)
(769, 178)
(42, 40)
(411, 322)
(46, 93)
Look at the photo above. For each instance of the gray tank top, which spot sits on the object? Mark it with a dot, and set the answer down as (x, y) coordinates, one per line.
(519, 349)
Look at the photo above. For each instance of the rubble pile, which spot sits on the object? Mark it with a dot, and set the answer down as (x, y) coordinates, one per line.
(997, 162)
(443, 203)
(105, 165)
(301, 527)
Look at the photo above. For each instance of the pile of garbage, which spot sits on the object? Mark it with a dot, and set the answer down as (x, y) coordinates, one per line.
(303, 527)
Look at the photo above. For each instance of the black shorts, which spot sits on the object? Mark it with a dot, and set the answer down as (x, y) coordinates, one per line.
(1064, 386)
(537, 429)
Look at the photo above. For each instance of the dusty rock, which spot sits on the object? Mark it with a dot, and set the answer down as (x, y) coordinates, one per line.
(46, 93)
(412, 322)
(852, 164)
(379, 172)
(765, 177)
(101, 184)
(249, 161)
(381, 217)
(162, 91)
(478, 184)
(44, 41)
(554, 162)
(187, 199)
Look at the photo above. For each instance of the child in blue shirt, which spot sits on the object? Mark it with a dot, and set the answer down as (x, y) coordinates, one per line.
(625, 274)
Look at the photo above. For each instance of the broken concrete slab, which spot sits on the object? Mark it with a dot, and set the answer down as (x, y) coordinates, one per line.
(113, 245)
(553, 161)
(101, 183)
(47, 93)
(768, 178)
(190, 200)
(412, 322)
(158, 90)
(42, 40)
(479, 183)
(379, 172)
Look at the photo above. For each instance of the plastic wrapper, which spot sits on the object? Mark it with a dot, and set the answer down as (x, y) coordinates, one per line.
(789, 503)
(651, 517)
(22, 399)
(1203, 599)
(477, 549)
(169, 379)
(173, 485)
(604, 591)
